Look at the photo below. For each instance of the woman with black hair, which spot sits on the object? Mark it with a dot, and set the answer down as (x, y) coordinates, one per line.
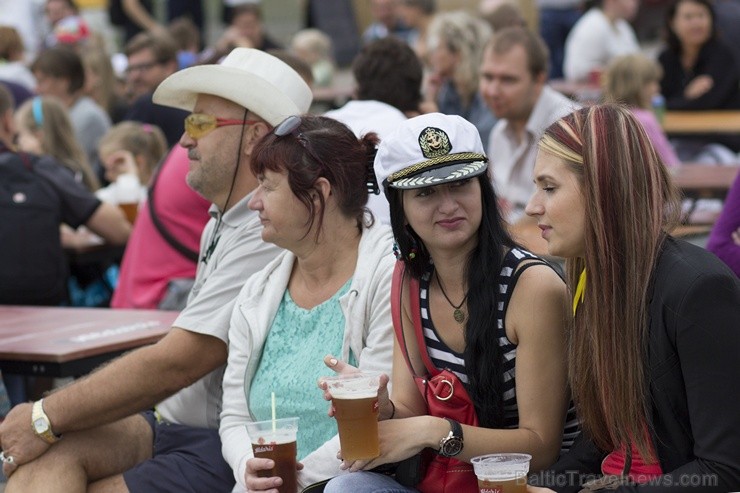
(699, 73)
(467, 301)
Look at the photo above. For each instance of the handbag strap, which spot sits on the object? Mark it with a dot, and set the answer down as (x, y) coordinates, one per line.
(399, 273)
(186, 252)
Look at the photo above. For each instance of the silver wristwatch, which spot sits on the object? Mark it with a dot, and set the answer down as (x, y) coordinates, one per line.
(452, 444)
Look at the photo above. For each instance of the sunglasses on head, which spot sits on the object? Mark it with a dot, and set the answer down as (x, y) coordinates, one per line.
(198, 125)
(290, 126)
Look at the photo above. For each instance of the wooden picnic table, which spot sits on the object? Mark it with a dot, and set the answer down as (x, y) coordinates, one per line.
(71, 341)
(701, 122)
(702, 181)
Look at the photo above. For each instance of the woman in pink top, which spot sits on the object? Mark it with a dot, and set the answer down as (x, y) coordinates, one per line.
(633, 80)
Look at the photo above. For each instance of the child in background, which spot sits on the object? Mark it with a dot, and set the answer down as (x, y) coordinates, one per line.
(315, 48)
(129, 152)
(12, 51)
(186, 35)
(44, 127)
(634, 80)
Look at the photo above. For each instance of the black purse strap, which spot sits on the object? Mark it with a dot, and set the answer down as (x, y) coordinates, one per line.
(186, 252)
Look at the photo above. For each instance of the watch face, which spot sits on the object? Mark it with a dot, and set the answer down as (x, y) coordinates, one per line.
(452, 447)
(40, 425)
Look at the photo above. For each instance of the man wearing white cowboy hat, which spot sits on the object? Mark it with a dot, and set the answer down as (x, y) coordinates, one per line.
(177, 448)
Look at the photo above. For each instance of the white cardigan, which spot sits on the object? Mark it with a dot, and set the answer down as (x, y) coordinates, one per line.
(368, 333)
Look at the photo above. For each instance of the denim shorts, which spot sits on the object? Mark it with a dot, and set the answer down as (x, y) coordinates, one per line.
(184, 460)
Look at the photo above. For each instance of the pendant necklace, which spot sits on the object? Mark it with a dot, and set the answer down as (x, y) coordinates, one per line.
(458, 314)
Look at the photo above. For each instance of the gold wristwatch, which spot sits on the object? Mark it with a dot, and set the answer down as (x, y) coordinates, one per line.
(41, 424)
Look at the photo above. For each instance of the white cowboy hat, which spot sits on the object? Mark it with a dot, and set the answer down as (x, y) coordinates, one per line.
(430, 150)
(251, 78)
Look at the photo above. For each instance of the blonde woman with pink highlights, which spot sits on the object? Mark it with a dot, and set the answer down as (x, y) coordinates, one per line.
(652, 350)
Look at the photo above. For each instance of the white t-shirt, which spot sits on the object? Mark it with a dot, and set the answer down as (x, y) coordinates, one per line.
(27, 16)
(594, 41)
(512, 161)
(371, 116)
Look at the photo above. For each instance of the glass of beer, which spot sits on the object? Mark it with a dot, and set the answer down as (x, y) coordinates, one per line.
(502, 473)
(130, 210)
(128, 193)
(276, 440)
(355, 400)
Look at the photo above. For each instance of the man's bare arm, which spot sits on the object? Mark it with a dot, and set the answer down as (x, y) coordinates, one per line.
(129, 384)
(136, 381)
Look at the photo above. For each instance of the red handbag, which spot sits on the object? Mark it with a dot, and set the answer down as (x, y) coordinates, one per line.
(443, 393)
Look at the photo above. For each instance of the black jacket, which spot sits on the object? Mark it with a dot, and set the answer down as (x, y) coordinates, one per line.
(693, 373)
(716, 60)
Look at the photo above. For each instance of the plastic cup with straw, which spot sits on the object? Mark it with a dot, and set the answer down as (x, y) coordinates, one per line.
(276, 439)
(272, 402)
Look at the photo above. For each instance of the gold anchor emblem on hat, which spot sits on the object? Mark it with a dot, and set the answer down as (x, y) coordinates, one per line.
(434, 142)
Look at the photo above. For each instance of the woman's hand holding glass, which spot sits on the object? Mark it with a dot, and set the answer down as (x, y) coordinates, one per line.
(398, 439)
(256, 483)
(385, 407)
(402, 438)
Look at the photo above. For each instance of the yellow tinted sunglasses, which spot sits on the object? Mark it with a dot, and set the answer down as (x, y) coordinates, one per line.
(198, 125)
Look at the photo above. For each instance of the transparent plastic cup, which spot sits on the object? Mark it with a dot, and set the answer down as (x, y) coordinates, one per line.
(355, 400)
(502, 473)
(128, 193)
(277, 442)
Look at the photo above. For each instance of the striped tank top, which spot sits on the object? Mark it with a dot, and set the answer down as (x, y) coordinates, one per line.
(442, 356)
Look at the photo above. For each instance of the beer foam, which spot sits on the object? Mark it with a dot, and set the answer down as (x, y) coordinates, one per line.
(277, 437)
(354, 387)
(501, 467)
(500, 476)
(342, 393)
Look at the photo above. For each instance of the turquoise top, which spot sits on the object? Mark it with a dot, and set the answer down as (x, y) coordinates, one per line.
(291, 363)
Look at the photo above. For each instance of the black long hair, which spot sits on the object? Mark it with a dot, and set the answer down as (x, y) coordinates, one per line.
(674, 44)
(483, 356)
